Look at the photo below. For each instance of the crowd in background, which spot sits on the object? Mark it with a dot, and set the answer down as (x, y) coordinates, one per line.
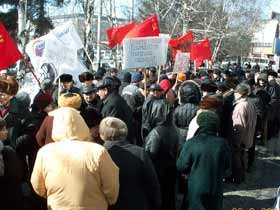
(128, 141)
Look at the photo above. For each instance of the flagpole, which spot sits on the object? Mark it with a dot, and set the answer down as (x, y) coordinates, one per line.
(158, 74)
(145, 83)
(30, 70)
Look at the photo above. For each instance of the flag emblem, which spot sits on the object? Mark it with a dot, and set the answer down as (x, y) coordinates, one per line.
(1, 39)
(39, 47)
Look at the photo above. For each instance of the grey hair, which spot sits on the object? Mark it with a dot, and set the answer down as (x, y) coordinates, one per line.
(112, 128)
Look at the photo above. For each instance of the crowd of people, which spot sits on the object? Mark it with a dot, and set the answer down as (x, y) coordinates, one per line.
(135, 141)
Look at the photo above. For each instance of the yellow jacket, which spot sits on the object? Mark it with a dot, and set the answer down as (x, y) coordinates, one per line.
(73, 173)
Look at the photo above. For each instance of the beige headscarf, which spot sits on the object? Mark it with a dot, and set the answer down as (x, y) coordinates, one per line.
(68, 124)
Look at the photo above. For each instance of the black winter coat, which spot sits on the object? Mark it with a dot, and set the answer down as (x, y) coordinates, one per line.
(162, 146)
(115, 106)
(139, 186)
(10, 190)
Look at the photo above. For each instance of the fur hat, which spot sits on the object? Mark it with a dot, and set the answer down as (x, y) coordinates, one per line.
(85, 76)
(72, 100)
(8, 85)
(66, 78)
(211, 102)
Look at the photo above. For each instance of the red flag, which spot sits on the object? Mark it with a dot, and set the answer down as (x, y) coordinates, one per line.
(183, 43)
(201, 51)
(115, 35)
(148, 27)
(9, 53)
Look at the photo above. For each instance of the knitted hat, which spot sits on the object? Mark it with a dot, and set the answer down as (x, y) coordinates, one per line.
(42, 101)
(165, 85)
(208, 121)
(210, 103)
(181, 77)
(72, 100)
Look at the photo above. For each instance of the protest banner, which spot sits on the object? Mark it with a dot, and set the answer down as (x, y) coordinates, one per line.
(144, 52)
(182, 63)
(59, 50)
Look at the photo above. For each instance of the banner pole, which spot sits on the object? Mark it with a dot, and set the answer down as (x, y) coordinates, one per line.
(30, 70)
(88, 57)
(159, 68)
(145, 83)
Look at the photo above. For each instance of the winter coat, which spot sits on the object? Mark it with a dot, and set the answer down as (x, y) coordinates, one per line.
(244, 119)
(13, 123)
(162, 145)
(190, 96)
(139, 186)
(150, 115)
(44, 134)
(74, 173)
(115, 106)
(204, 158)
(10, 190)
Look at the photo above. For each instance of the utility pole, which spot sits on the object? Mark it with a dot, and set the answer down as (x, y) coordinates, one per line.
(98, 56)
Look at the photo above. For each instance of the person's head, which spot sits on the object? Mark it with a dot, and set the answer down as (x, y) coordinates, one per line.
(92, 118)
(208, 122)
(47, 86)
(156, 90)
(43, 102)
(165, 85)
(113, 129)
(8, 88)
(208, 86)
(271, 75)
(114, 72)
(211, 102)
(3, 130)
(136, 77)
(262, 79)
(66, 81)
(126, 77)
(105, 87)
(72, 100)
(89, 93)
(86, 78)
(23, 100)
(242, 91)
(68, 125)
(217, 73)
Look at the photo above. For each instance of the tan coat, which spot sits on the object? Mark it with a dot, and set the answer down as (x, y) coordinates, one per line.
(73, 173)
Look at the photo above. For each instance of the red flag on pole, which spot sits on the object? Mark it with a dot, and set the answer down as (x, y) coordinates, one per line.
(182, 44)
(148, 27)
(115, 35)
(201, 51)
(9, 53)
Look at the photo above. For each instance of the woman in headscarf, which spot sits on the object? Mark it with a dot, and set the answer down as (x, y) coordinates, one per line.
(74, 173)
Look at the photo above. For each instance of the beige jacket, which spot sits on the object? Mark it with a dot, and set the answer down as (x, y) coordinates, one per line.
(73, 173)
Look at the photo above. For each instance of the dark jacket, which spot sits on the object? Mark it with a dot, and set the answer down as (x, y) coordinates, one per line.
(162, 146)
(204, 158)
(139, 186)
(190, 97)
(115, 106)
(13, 121)
(10, 190)
(149, 116)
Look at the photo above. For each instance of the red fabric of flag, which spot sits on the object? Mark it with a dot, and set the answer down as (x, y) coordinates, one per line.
(201, 51)
(9, 53)
(183, 43)
(115, 35)
(148, 27)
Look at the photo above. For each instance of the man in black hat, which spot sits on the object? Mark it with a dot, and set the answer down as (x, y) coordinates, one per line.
(90, 97)
(66, 85)
(86, 78)
(114, 105)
